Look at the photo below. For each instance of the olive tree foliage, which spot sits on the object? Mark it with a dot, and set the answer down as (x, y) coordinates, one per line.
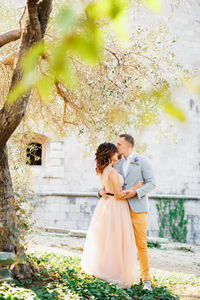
(87, 82)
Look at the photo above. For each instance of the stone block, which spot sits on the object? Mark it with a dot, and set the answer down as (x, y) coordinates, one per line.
(72, 200)
(78, 233)
(93, 208)
(56, 146)
(157, 239)
(7, 258)
(54, 172)
(56, 162)
(57, 154)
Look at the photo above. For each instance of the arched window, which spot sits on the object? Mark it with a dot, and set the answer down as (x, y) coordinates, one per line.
(34, 154)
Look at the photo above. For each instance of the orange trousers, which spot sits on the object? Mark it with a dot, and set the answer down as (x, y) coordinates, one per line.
(139, 221)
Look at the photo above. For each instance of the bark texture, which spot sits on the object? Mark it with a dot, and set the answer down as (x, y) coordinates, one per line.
(9, 238)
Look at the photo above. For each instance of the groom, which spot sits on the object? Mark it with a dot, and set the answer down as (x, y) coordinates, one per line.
(134, 168)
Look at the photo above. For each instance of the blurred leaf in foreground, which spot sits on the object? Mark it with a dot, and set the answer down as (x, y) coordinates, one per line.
(173, 110)
(154, 5)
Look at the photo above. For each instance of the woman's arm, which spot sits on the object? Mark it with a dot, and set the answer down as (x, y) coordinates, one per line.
(102, 193)
(135, 186)
(114, 182)
(132, 190)
(115, 185)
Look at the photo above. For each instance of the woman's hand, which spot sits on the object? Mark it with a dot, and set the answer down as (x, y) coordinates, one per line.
(103, 194)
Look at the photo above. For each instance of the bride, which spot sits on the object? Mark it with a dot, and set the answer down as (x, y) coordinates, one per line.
(110, 251)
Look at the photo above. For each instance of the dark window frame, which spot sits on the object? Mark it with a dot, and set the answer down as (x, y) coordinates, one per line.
(34, 154)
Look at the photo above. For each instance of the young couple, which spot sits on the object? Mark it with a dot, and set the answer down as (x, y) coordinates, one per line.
(118, 229)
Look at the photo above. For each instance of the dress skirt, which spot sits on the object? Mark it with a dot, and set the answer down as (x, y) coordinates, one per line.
(110, 251)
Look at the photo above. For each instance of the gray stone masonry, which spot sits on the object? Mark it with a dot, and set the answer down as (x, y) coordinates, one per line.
(74, 212)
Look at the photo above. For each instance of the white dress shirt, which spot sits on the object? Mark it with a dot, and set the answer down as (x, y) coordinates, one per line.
(126, 162)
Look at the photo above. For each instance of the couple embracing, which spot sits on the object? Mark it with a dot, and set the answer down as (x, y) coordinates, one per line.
(118, 229)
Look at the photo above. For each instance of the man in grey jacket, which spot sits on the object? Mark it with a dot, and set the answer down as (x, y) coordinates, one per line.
(134, 168)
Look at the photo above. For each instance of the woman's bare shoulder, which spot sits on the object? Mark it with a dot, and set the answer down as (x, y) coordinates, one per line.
(113, 173)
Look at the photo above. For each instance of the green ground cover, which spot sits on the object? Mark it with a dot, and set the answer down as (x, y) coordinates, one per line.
(60, 277)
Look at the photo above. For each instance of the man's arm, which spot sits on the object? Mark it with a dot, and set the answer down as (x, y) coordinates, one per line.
(149, 180)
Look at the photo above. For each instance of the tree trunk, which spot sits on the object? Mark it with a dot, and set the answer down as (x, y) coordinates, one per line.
(9, 237)
(10, 117)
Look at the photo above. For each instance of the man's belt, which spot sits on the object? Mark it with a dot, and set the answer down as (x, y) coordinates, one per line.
(109, 194)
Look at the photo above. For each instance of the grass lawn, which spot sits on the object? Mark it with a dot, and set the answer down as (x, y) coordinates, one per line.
(186, 286)
(60, 278)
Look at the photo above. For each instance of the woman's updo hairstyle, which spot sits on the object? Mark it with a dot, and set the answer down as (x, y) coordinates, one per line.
(103, 156)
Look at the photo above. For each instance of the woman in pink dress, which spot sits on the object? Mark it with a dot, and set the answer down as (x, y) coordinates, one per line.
(110, 251)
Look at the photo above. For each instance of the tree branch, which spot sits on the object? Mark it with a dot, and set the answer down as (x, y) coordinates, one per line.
(9, 59)
(63, 95)
(9, 36)
(20, 20)
(114, 54)
(12, 35)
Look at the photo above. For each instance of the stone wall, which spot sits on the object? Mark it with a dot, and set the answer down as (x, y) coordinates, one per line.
(64, 211)
(175, 153)
(65, 168)
(73, 211)
(192, 215)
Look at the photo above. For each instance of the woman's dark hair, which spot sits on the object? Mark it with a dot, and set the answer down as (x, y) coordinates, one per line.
(103, 156)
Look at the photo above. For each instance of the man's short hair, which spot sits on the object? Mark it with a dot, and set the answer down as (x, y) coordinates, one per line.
(128, 138)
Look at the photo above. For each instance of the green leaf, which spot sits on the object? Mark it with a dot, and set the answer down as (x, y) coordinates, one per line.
(99, 9)
(106, 8)
(30, 58)
(193, 85)
(67, 75)
(29, 73)
(120, 26)
(44, 86)
(154, 5)
(57, 58)
(173, 110)
(16, 92)
(67, 20)
(117, 8)
(114, 11)
(88, 47)
(60, 67)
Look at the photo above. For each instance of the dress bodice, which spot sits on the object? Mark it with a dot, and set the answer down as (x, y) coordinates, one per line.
(104, 179)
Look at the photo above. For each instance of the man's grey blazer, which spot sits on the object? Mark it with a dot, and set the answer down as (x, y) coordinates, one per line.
(139, 169)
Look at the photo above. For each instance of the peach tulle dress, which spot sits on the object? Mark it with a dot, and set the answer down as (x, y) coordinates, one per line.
(110, 251)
